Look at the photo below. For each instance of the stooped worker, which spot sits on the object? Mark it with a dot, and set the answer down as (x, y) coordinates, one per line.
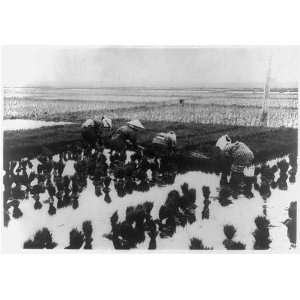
(239, 154)
(126, 135)
(164, 143)
(92, 130)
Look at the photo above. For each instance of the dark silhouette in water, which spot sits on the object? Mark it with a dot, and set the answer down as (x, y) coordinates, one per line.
(291, 224)
(17, 213)
(76, 239)
(60, 203)
(262, 234)
(37, 203)
(107, 197)
(177, 210)
(228, 243)
(206, 193)
(87, 231)
(294, 167)
(264, 188)
(42, 240)
(196, 244)
(106, 189)
(6, 217)
(130, 232)
(91, 164)
(152, 243)
(52, 209)
(225, 191)
(75, 202)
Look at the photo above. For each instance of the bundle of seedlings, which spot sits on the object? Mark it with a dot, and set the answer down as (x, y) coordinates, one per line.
(197, 244)
(41, 240)
(262, 234)
(228, 243)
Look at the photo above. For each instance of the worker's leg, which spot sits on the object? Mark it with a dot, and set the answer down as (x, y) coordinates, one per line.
(89, 135)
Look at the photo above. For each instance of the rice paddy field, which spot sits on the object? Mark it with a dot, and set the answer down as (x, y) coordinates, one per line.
(211, 106)
(57, 197)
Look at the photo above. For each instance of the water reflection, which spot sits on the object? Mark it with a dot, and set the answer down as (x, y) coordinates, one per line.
(41, 240)
(152, 202)
(229, 243)
(262, 233)
(196, 244)
(291, 223)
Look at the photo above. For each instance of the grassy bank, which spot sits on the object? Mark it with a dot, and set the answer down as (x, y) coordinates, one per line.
(266, 143)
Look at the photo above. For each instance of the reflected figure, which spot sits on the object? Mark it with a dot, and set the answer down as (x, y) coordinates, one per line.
(236, 184)
(225, 191)
(247, 191)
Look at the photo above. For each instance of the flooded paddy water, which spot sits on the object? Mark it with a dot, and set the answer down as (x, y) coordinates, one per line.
(140, 214)
(24, 124)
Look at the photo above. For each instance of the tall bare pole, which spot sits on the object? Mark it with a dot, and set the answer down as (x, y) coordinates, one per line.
(265, 104)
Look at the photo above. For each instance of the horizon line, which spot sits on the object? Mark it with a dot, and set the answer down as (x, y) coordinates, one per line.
(232, 86)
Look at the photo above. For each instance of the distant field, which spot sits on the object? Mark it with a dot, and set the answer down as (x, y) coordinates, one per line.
(41, 109)
(211, 106)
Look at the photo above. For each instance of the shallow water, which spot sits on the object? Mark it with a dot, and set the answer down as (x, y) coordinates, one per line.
(23, 124)
(241, 213)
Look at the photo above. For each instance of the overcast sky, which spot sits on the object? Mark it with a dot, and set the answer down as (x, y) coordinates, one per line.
(166, 67)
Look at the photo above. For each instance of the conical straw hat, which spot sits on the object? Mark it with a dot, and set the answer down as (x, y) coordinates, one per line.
(136, 124)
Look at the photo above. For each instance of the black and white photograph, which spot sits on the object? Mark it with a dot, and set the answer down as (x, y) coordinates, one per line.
(173, 149)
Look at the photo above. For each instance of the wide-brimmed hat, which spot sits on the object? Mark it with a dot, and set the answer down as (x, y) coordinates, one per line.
(136, 124)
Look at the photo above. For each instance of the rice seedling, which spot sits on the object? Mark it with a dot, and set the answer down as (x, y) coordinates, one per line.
(228, 243)
(76, 239)
(42, 240)
(197, 244)
(262, 234)
(87, 231)
(261, 222)
(229, 231)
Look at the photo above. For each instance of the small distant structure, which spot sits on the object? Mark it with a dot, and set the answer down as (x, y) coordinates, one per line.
(181, 102)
